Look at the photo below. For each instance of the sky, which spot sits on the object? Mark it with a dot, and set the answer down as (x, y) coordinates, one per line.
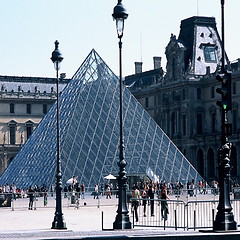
(29, 28)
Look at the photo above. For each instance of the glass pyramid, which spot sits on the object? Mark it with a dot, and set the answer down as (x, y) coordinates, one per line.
(89, 129)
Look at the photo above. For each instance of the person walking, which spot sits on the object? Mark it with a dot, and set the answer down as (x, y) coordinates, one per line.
(151, 192)
(135, 201)
(31, 198)
(164, 204)
(45, 197)
(144, 201)
(108, 192)
(83, 190)
(95, 191)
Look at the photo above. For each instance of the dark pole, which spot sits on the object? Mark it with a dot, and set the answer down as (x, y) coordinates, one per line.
(224, 218)
(122, 219)
(223, 37)
(58, 222)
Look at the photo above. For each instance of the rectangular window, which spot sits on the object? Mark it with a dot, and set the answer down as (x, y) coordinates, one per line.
(146, 102)
(12, 108)
(199, 123)
(212, 92)
(183, 95)
(234, 120)
(28, 108)
(184, 125)
(159, 99)
(199, 94)
(155, 100)
(29, 131)
(234, 88)
(209, 54)
(12, 130)
(213, 122)
(44, 108)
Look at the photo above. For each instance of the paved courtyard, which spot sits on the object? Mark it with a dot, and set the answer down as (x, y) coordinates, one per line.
(85, 221)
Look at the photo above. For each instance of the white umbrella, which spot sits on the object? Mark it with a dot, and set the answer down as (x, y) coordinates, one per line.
(71, 180)
(110, 177)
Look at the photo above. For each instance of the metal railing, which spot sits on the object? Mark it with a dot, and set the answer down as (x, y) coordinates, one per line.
(185, 215)
(183, 211)
(69, 200)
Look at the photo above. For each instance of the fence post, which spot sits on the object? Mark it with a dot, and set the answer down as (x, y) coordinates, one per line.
(35, 201)
(186, 214)
(175, 215)
(133, 218)
(102, 220)
(98, 196)
(194, 220)
(213, 214)
(12, 201)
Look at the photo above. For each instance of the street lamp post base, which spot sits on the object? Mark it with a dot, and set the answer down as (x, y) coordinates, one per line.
(122, 222)
(58, 223)
(224, 222)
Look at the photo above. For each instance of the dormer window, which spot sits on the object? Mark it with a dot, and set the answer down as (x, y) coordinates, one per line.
(210, 54)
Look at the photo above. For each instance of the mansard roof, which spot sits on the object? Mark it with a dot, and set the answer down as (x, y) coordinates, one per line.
(196, 34)
(30, 84)
(142, 79)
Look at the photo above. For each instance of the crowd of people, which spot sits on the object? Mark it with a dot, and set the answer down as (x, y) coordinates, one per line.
(146, 190)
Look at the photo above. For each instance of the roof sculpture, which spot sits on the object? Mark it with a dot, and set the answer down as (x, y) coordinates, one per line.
(89, 131)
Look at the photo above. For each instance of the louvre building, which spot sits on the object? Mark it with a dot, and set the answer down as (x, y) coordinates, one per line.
(89, 136)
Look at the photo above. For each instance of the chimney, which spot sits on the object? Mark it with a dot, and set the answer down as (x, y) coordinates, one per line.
(62, 75)
(138, 67)
(238, 64)
(157, 62)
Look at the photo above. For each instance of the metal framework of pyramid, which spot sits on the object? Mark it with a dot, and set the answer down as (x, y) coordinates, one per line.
(89, 130)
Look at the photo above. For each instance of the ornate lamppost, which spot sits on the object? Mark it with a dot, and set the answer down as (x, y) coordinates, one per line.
(122, 219)
(224, 218)
(58, 222)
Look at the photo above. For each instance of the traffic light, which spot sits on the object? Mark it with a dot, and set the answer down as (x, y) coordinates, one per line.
(225, 90)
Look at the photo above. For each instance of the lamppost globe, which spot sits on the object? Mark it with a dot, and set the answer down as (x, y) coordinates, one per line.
(56, 56)
(119, 14)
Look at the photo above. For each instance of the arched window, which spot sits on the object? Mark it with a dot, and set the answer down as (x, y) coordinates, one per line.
(173, 123)
(234, 120)
(184, 125)
(213, 122)
(199, 124)
(233, 162)
(211, 164)
(12, 132)
(174, 69)
(29, 128)
(200, 162)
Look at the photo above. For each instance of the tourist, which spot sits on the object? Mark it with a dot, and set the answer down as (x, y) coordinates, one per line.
(151, 192)
(83, 190)
(144, 201)
(135, 201)
(31, 198)
(95, 191)
(164, 204)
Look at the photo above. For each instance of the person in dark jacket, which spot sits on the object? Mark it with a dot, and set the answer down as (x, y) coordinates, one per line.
(164, 204)
(151, 192)
(31, 198)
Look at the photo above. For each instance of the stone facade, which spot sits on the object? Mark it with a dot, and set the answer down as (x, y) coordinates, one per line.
(183, 100)
(23, 103)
